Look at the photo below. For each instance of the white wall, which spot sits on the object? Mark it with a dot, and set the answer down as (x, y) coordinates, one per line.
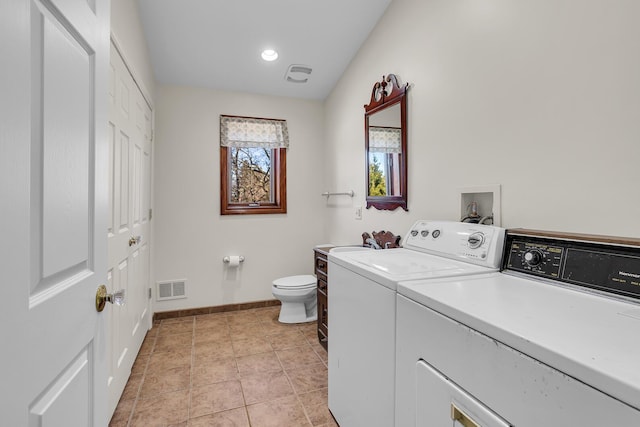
(541, 97)
(126, 30)
(191, 237)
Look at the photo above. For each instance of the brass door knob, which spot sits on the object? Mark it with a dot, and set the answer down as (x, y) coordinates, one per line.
(134, 240)
(102, 297)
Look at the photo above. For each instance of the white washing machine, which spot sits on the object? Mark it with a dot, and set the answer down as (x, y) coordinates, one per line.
(362, 309)
(552, 340)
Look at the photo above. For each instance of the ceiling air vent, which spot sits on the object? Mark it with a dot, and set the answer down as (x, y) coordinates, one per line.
(298, 74)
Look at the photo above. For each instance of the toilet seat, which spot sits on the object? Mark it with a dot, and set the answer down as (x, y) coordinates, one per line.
(305, 281)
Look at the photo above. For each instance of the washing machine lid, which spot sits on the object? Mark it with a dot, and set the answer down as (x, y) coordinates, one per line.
(295, 282)
(390, 266)
(407, 263)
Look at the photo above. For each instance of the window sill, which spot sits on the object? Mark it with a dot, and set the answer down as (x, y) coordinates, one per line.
(242, 209)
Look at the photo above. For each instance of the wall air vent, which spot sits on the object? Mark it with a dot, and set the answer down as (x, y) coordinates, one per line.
(171, 290)
(298, 74)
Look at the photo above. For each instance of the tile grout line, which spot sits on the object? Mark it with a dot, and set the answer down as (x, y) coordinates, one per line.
(297, 395)
(192, 364)
(235, 360)
(304, 408)
(235, 356)
(144, 373)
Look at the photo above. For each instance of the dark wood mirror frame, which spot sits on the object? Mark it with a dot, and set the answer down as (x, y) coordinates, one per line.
(386, 94)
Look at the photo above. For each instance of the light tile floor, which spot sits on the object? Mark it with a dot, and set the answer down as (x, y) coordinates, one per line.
(241, 368)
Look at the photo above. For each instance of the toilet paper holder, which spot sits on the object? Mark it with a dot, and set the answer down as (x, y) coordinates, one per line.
(227, 259)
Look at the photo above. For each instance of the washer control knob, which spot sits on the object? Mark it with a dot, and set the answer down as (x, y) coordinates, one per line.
(414, 233)
(475, 240)
(533, 257)
(435, 234)
(424, 233)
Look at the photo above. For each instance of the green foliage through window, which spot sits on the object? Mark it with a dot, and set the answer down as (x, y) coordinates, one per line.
(377, 181)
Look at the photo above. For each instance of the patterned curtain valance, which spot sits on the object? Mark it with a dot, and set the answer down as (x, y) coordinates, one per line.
(385, 140)
(253, 132)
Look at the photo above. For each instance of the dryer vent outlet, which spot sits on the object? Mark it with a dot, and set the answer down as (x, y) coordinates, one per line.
(171, 290)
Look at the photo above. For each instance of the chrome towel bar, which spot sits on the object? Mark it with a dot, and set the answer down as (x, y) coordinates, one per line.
(327, 194)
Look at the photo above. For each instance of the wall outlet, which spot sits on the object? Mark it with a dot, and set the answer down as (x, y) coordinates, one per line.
(358, 212)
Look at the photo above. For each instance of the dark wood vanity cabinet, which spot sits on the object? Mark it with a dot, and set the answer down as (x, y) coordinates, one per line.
(321, 265)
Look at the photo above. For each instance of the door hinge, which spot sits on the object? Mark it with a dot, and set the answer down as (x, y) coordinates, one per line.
(149, 293)
(150, 214)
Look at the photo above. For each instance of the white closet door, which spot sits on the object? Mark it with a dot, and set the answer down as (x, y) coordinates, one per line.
(128, 223)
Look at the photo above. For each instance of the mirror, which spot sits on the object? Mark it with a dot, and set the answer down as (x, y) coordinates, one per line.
(385, 123)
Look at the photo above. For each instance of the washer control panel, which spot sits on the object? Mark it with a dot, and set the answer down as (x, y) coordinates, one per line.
(477, 243)
(475, 240)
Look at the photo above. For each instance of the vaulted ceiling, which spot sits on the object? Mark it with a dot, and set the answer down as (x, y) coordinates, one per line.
(218, 43)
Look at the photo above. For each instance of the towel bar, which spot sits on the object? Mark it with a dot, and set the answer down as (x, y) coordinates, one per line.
(327, 194)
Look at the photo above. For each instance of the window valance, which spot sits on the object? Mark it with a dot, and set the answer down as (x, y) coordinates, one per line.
(253, 132)
(385, 140)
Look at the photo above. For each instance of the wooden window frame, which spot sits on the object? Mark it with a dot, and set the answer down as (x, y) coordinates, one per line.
(278, 174)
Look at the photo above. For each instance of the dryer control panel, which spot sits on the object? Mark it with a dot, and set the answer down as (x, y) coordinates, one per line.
(601, 263)
(536, 257)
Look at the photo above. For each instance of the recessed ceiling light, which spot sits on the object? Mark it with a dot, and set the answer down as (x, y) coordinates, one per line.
(269, 55)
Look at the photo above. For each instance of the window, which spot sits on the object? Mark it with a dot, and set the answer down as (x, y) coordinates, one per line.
(253, 163)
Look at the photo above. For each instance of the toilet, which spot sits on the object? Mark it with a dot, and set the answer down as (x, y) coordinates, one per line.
(298, 297)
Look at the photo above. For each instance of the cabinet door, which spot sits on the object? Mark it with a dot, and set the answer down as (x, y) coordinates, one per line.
(321, 270)
(323, 317)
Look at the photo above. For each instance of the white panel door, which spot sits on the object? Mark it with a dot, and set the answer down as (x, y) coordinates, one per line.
(53, 140)
(128, 222)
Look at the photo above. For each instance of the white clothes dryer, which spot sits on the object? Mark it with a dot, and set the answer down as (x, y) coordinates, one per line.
(362, 309)
(552, 340)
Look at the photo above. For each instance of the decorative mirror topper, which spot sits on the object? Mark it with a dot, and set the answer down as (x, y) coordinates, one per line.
(386, 145)
(386, 91)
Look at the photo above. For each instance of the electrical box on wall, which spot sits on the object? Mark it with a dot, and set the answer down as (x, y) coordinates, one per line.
(481, 204)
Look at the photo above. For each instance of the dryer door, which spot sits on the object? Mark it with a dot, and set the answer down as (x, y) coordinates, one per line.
(440, 402)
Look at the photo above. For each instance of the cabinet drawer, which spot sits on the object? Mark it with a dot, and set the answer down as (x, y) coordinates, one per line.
(321, 264)
(320, 261)
(322, 283)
